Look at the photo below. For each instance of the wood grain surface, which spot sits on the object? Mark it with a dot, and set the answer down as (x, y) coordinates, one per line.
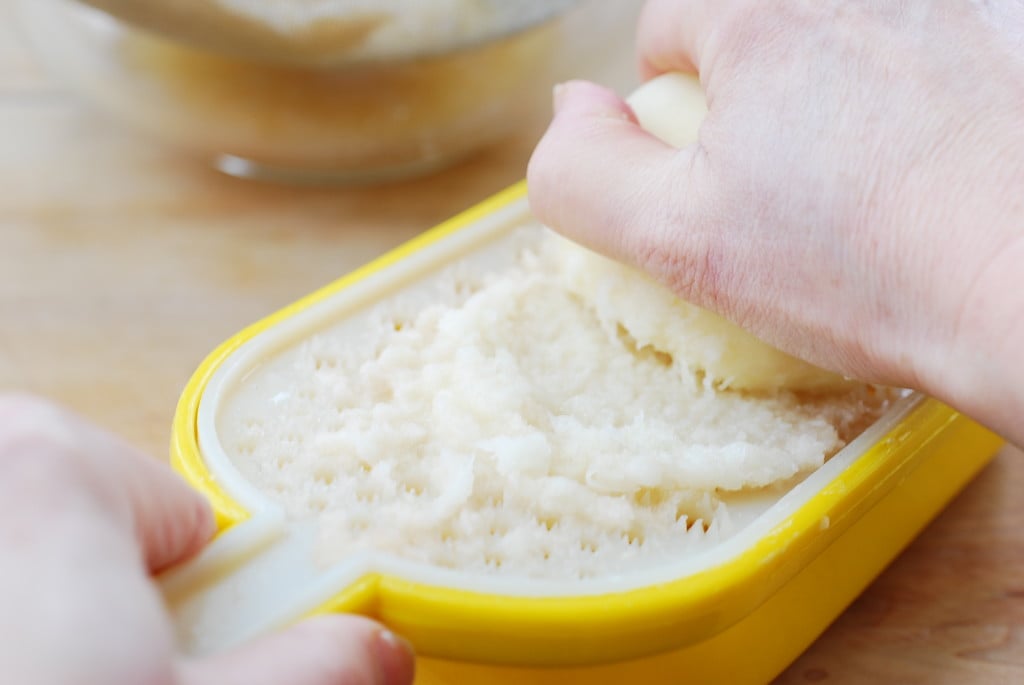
(123, 265)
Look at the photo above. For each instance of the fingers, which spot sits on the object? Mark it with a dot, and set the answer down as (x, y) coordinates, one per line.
(328, 650)
(672, 35)
(59, 456)
(171, 521)
(591, 165)
(601, 180)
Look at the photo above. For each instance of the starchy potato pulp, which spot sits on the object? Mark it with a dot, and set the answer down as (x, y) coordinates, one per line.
(556, 416)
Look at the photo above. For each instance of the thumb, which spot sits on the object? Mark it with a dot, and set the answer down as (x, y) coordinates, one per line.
(56, 449)
(327, 650)
(603, 181)
(172, 522)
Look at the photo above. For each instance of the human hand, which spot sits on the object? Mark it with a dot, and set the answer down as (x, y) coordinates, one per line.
(84, 522)
(855, 196)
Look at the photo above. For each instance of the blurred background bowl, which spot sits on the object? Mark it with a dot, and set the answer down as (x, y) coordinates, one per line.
(320, 117)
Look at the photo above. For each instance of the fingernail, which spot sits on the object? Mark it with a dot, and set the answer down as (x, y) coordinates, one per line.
(396, 657)
(558, 95)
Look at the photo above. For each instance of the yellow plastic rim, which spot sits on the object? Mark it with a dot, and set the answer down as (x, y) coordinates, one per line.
(451, 623)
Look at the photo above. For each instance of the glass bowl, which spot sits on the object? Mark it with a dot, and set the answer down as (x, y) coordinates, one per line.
(368, 118)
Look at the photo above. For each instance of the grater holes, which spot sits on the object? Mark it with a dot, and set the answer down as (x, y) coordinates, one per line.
(412, 486)
(547, 522)
(294, 439)
(634, 537)
(367, 495)
(649, 497)
(325, 362)
(325, 475)
(699, 524)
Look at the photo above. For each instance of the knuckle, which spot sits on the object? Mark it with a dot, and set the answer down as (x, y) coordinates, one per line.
(754, 31)
(26, 425)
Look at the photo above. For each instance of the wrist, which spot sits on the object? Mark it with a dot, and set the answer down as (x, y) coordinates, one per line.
(982, 374)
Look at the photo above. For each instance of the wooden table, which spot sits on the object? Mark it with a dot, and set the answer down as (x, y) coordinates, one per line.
(122, 265)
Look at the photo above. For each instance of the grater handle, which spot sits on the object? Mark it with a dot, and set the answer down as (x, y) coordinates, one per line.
(256, 577)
